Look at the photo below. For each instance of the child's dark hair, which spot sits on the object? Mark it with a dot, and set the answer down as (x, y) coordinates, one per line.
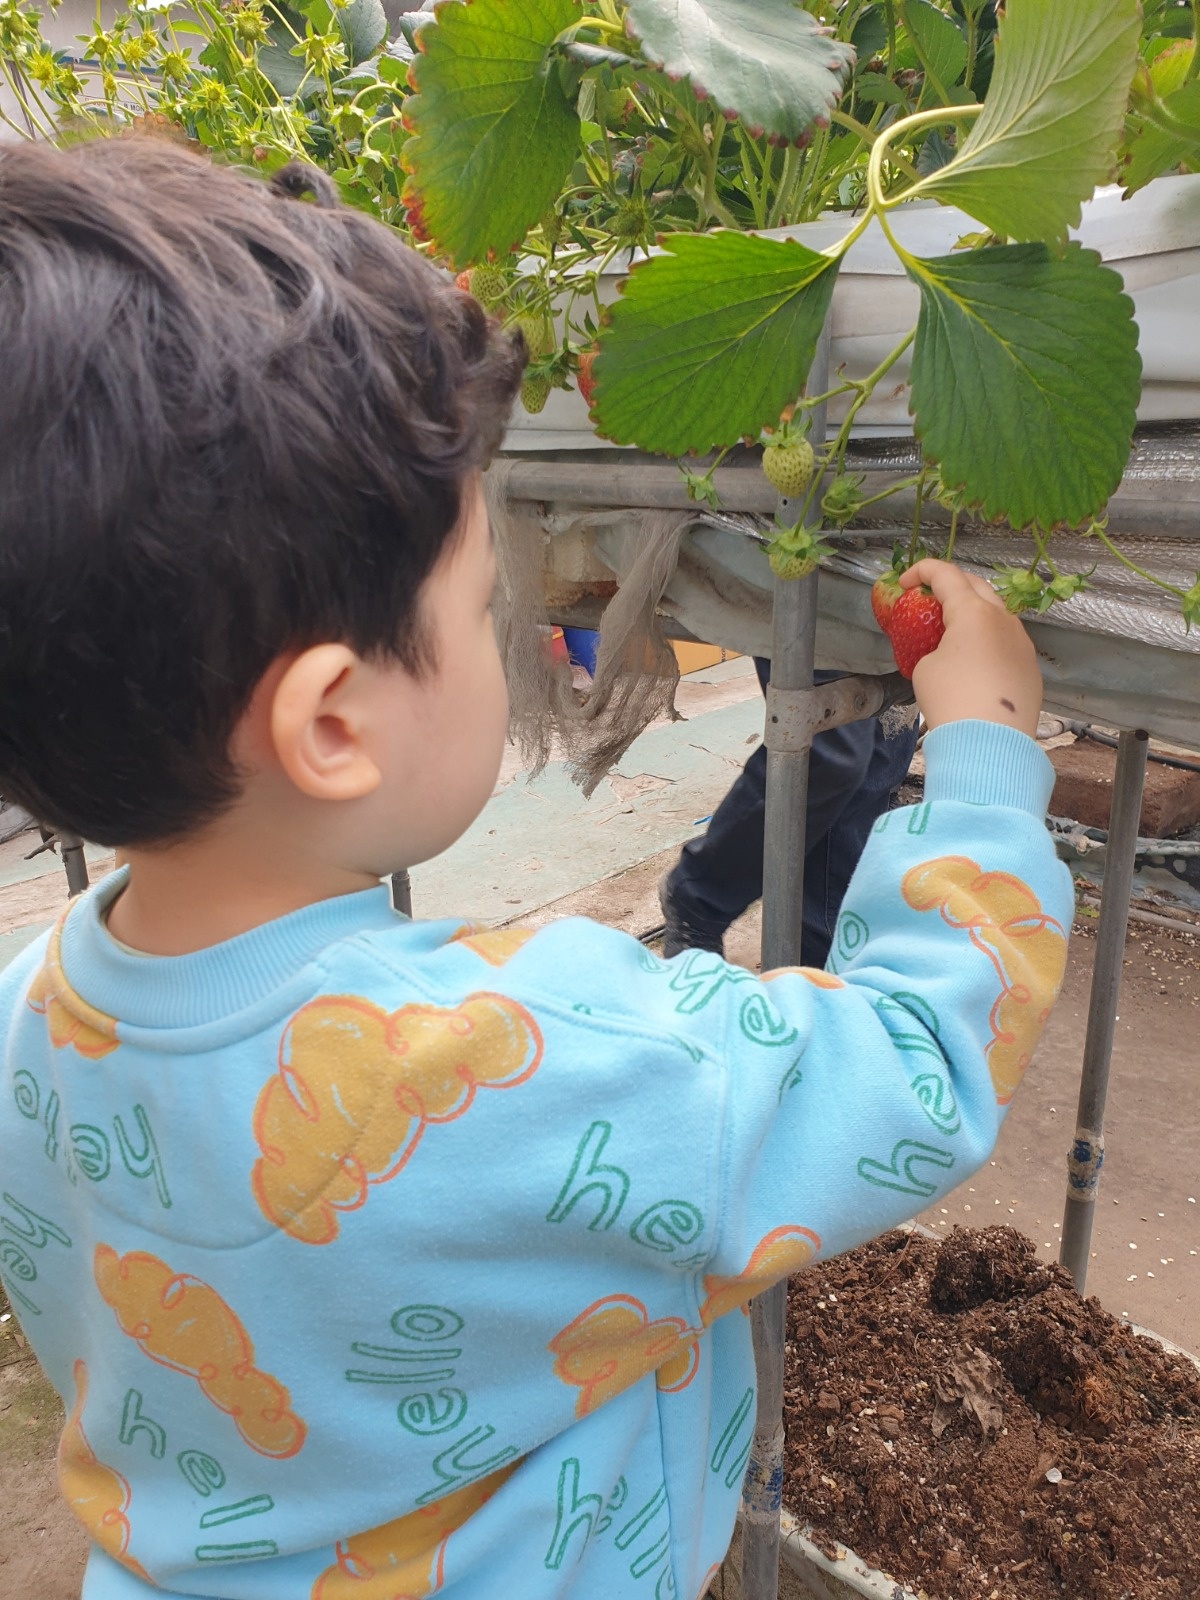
(232, 423)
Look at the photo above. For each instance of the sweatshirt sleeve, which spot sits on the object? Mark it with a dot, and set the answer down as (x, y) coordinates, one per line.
(893, 1068)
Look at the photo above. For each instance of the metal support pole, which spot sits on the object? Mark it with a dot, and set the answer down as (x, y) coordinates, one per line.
(792, 653)
(1087, 1153)
(402, 892)
(71, 846)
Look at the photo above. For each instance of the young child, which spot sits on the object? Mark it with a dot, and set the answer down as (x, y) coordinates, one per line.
(372, 1258)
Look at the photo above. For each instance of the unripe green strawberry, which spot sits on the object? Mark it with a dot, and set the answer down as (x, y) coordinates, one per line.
(915, 627)
(791, 566)
(844, 497)
(795, 552)
(535, 392)
(789, 466)
(488, 285)
(538, 333)
(884, 593)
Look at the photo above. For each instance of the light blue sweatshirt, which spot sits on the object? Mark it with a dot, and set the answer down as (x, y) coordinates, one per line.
(375, 1259)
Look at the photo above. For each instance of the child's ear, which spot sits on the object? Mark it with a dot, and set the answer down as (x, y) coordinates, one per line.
(319, 718)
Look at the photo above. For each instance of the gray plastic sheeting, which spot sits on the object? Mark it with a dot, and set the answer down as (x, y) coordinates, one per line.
(1117, 654)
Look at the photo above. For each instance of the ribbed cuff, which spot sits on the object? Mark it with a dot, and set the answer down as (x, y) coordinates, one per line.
(987, 764)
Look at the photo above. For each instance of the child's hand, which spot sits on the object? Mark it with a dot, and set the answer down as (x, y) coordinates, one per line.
(985, 666)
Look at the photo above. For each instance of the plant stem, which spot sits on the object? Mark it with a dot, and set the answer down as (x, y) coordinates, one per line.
(754, 189)
(915, 541)
(830, 394)
(1194, 64)
(866, 387)
(791, 162)
(921, 119)
(610, 30)
(953, 535)
(869, 136)
(21, 133)
(1161, 583)
(1166, 122)
(972, 45)
(812, 170)
(886, 494)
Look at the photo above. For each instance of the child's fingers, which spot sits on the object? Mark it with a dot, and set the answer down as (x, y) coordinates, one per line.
(950, 584)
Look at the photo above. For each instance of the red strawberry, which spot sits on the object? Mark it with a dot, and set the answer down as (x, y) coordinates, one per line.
(884, 593)
(915, 627)
(587, 384)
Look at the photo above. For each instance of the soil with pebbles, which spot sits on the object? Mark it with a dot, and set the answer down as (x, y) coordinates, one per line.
(959, 1417)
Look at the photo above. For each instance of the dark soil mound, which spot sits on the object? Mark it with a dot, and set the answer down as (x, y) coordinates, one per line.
(962, 1419)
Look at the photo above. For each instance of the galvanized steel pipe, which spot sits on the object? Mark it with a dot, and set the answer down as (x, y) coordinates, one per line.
(1086, 1155)
(792, 656)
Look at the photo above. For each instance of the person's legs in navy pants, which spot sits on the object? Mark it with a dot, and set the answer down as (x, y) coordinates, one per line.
(854, 771)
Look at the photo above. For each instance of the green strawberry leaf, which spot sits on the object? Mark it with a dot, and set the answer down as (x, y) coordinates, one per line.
(878, 90)
(282, 70)
(1172, 67)
(869, 35)
(1052, 119)
(1156, 148)
(766, 60)
(939, 46)
(1025, 379)
(362, 24)
(710, 341)
(494, 131)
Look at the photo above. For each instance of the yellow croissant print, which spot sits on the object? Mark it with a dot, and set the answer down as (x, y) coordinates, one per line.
(813, 975)
(1004, 919)
(403, 1560)
(98, 1495)
(356, 1089)
(782, 1251)
(493, 945)
(69, 1019)
(183, 1324)
(614, 1342)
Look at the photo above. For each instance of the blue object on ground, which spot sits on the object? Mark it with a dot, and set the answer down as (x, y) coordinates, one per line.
(581, 647)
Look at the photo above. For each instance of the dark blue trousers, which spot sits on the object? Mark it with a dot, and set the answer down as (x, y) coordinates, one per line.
(853, 774)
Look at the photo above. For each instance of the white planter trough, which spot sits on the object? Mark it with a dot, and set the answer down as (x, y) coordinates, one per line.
(1152, 240)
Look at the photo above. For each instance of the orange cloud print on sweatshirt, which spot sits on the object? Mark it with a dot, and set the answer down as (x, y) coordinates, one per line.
(613, 1343)
(813, 975)
(493, 945)
(358, 1086)
(403, 1560)
(69, 1019)
(98, 1495)
(1004, 919)
(183, 1324)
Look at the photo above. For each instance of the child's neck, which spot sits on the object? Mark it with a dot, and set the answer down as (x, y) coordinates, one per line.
(225, 881)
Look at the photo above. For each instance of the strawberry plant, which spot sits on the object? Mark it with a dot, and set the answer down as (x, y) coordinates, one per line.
(533, 143)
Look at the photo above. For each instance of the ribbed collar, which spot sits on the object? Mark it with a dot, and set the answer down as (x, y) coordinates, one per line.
(190, 991)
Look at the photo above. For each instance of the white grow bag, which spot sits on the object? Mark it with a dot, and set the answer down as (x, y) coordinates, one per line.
(1152, 240)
